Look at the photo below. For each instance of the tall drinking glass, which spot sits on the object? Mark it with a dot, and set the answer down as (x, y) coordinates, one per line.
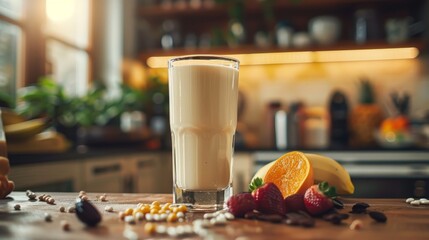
(203, 118)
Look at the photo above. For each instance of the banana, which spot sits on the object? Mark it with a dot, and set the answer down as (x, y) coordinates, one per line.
(24, 130)
(328, 170)
(325, 169)
(9, 117)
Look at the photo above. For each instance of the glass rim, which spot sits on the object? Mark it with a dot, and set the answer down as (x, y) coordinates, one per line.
(202, 57)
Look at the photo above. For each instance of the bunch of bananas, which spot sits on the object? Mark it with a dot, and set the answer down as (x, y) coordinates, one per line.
(18, 128)
(6, 185)
(325, 169)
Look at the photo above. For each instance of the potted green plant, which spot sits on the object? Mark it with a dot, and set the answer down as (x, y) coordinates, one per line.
(69, 113)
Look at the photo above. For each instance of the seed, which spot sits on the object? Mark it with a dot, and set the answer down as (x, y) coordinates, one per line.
(156, 217)
(84, 197)
(161, 229)
(415, 203)
(172, 217)
(150, 228)
(71, 209)
(300, 218)
(108, 208)
(208, 215)
(41, 197)
(409, 200)
(87, 213)
(102, 198)
(229, 216)
(424, 202)
(51, 201)
(17, 207)
(62, 209)
(251, 215)
(337, 203)
(121, 215)
(139, 216)
(180, 215)
(130, 219)
(356, 225)
(128, 211)
(335, 218)
(65, 225)
(171, 231)
(48, 217)
(274, 218)
(220, 219)
(378, 216)
(149, 217)
(423, 199)
(183, 208)
(360, 207)
(82, 193)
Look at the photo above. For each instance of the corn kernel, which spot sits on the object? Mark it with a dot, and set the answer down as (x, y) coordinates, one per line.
(128, 211)
(172, 217)
(154, 211)
(137, 210)
(155, 203)
(175, 210)
(145, 209)
(166, 206)
(162, 211)
(183, 208)
(150, 228)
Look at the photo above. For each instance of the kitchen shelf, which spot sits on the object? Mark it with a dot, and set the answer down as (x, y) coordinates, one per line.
(253, 6)
(201, 20)
(251, 49)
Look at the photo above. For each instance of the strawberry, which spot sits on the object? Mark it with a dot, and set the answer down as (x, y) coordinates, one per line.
(240, 204)
(318, 198)
(295, 203)
(268, 197)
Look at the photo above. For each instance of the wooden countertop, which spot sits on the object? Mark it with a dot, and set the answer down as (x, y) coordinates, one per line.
(404, 221)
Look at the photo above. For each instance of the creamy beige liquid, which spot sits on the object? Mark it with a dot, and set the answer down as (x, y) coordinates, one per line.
(203, 119)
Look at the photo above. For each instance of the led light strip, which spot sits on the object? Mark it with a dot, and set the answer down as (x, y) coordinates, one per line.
(309, 56)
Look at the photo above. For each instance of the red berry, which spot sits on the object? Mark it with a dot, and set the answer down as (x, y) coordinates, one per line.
(240, 204)
(295, 203)
(269, 199)
(318, 198)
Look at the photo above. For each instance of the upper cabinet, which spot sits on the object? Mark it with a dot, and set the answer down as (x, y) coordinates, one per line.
(179, 27)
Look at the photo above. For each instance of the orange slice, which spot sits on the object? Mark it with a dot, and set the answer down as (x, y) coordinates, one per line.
(292, 173)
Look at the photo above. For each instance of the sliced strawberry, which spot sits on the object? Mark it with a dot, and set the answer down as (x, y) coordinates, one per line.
(318, 198)
(295, 203)
(269, 199)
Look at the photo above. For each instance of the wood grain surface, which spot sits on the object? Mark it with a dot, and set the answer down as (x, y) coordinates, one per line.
(404, 221)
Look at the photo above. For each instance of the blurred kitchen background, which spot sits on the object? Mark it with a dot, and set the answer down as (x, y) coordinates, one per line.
(84, 88)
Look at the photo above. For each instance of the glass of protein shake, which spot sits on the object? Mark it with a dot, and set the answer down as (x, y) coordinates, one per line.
(203, 118)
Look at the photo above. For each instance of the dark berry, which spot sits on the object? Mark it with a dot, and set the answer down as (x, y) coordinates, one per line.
(87, 213)
(240, 204)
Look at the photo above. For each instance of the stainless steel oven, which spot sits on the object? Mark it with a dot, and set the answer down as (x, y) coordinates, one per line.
(378, 174)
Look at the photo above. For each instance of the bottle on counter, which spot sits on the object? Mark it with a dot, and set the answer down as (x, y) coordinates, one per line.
(268, 132)
(339, 111)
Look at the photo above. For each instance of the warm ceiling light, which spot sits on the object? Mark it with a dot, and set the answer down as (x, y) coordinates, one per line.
(309, 56)
(59, 10)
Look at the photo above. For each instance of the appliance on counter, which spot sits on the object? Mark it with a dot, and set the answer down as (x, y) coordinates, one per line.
(376, 174)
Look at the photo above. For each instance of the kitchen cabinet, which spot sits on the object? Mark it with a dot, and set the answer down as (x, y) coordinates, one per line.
(55, 176)
(106, 175)
(153, 173)
(185, 20)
